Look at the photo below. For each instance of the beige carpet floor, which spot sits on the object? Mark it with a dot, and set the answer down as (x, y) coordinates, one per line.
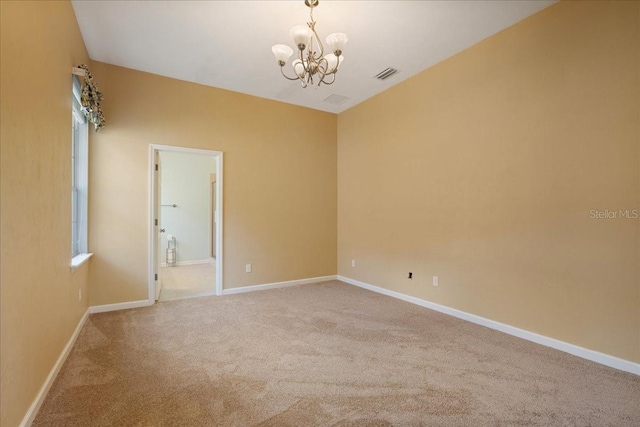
(184, 281)
(326, 354)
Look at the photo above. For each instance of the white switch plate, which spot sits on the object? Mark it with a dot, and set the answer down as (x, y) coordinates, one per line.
(80, 294)
(353, 263)
(247, 268)
(435, 280)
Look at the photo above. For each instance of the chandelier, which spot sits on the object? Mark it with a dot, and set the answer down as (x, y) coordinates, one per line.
(311, 61)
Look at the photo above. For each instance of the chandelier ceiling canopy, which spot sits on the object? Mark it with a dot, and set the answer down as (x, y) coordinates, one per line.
(311, 64)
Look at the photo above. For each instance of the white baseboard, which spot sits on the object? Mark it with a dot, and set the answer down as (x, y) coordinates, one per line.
(198, 261)
(277, 285)
(42, 394)
(119, 306)
(594, 356)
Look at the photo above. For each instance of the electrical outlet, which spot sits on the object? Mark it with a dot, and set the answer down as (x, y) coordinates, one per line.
(353, 263)
(247, 268)
(435, 280)
(79, 294)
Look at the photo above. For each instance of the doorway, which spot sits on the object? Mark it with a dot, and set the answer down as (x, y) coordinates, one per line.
(190, 266)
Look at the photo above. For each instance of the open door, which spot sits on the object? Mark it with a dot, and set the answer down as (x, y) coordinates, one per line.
(157, 213)
(157, 243)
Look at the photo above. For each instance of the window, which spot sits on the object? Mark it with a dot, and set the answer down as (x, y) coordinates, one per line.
(79, 177)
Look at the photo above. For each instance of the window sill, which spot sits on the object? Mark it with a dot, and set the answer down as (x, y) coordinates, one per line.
(79, 259)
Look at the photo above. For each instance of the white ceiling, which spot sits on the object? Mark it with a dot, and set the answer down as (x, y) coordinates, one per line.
(227, 44)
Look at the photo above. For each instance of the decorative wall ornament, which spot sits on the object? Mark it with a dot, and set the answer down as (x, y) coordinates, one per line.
(90, 100)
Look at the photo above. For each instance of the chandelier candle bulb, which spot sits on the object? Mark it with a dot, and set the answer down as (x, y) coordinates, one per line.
(311, 61)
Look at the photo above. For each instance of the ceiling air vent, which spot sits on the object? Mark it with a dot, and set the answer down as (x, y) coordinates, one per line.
(385, 74)
(336, 99)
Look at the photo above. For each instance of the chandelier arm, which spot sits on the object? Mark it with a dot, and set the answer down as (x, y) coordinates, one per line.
(321, 54)
(287, 77)
(335, 70)
(324, 72)
(328, 83)
(332, 72)
(312, 25)
(323, 61)
(323, 66)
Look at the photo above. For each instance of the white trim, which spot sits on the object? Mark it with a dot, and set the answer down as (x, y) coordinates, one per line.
(186, 150)
(275, 285)
(79, 175)
(42, 394)
(594, 356)
(120, 306)
(152, 235)
(79, 259)
(219, 228)
(195, 262)
(218, 156)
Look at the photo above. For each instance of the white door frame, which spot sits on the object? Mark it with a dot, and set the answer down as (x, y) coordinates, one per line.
(153, 249)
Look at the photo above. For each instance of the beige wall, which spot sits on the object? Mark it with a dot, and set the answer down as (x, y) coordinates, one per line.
(280, 189)
(40, 42)
(483, 170)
